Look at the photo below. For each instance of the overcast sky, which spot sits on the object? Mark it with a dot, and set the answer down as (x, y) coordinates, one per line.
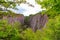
(26, 10)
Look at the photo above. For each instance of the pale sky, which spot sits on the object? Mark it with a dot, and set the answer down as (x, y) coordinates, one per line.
(26, 10)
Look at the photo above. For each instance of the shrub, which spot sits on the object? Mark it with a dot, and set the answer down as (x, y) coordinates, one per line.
(8, 31)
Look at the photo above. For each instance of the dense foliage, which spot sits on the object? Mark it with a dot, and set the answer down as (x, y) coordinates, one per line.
(10, 3)
(15, 32)
(18, 31)
(52, 7)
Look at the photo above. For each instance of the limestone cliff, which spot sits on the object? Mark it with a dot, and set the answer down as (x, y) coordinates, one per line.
(38, 21)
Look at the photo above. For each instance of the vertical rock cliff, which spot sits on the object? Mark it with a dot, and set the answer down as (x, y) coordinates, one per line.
(16, 18)
(38, 21)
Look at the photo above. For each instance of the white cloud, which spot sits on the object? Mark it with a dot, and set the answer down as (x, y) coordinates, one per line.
(29, 9)
(26, 10)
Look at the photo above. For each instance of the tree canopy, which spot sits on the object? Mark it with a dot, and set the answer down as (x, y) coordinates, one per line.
(19, 31)
(10, 4)
(52, 6)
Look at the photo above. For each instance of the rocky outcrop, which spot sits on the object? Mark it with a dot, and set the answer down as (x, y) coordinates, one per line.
(17, 18)
(38, 21)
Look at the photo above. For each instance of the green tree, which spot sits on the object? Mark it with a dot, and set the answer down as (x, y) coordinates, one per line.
(52, 30)
(10, 4)
(52, 7)
(9, 31)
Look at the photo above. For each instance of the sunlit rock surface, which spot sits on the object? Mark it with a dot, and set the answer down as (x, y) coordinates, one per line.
(38, 21)
(17, 18)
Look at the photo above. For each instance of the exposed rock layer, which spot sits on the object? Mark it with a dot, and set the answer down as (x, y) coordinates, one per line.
(38, 21)
(16, 18)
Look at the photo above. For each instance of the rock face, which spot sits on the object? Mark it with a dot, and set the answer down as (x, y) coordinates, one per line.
(16, 18)
(38, 21)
